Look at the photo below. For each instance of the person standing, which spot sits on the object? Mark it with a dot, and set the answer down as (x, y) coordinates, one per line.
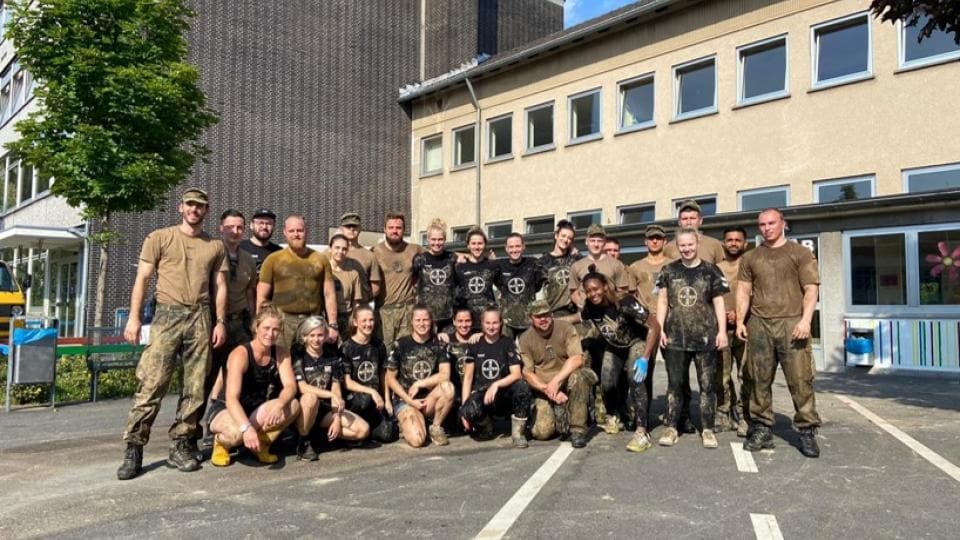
(689, 216)
(434, 272)
(729, 407)
(555, 266)
(394, 256)
(611, 268)
(300, 281)
(520, 279)
(347, 280)
(185, 259)
(777, 290)
(259, 245)
(645, 270)
(350, 228)
(476, 277)
(692, 316)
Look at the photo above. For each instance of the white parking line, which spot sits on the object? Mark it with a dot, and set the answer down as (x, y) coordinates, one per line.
(507, 515)
(744, 459)
(934, 458)
(765, 527)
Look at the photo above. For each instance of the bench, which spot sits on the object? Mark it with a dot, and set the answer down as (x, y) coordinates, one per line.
(111, 353)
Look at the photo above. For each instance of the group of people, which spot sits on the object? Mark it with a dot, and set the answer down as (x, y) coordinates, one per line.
(400, 340)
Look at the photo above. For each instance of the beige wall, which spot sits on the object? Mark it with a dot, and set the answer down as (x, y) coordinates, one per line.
(877, 126)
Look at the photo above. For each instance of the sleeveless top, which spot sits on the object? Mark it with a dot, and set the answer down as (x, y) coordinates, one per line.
(260, 383)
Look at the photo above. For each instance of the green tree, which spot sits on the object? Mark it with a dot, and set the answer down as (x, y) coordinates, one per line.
(121, 111)
(943, 15)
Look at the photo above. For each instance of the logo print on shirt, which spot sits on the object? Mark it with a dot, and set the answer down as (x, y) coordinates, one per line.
(421, 370)
(476, 285)
(607, 331)
(687, 296)
(490, 369)
(438, 276)
(365, 371)
(516, 285)
(562, 277)
(398, 266)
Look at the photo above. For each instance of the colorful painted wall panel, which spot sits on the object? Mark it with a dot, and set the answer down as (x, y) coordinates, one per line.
(913, 343)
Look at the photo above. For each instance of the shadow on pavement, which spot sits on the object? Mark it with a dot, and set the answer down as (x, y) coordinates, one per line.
(915, 391)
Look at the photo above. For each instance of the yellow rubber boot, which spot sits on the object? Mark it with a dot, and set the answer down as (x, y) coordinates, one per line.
(221, 454)
(266, 440)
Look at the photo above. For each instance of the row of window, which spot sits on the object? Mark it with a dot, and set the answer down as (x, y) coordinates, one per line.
(827, 191)
(841, 52)
(16, 89)
(21, 182)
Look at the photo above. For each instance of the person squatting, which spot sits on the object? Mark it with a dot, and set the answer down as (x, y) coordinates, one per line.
(367, 346)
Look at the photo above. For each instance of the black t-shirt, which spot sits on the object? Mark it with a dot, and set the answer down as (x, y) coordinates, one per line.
(436, 286)
(518, 286)
(457, 351)
(492, 361)
(319, 372)
(416, 361)
(259, 253)
(475, 281)
(556, 272)
(691, 323)
(621, 325)
(364, 362)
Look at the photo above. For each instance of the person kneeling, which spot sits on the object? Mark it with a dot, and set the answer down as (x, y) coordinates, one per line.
(318, 376)
(260, 394)
(496, 386)
(418, 374)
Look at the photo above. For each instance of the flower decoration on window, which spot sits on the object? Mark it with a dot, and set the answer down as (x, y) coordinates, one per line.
(946, 260)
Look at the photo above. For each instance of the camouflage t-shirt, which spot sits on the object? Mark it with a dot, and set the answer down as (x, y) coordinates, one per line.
(691, 323)
(416, 361)
(518, 286)
(436, 286)
(492, 361)
(556, 287)
(778, 276)
(364, 362)
(297, 280)
(620, 325)
(318, 372)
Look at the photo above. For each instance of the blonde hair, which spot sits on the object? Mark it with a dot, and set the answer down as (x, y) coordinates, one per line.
(310, 324)
(266, 311)
(437, 225)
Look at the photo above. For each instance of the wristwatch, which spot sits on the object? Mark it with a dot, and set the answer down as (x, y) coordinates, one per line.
(244, 428)
(221, 320)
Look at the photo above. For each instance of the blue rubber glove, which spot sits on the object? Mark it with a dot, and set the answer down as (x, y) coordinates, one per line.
(640, 369)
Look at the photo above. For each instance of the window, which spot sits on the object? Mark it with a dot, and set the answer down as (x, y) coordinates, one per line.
(762, 70)
(500, 131)
(540, 128)
(760, 199)
(636, 103)
(696, 88)
(841, 51)
(585, 116)
(458, 235)
(540, 225)
(878, 270)
(642, 213)
(499, 230)
(848, 189)
(932, 178)
(12, 167)
(708, 205)
(582, 220)
(6, 16)
(938, 47)
(26, 183)
(939, 267)
(431, 155)
(464, 146)
(423, 238)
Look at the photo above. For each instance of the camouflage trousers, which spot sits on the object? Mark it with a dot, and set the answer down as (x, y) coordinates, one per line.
(769, 343)
(731, 359)
(395, 322)
(177, 331)
(677, 363)
(572, 416)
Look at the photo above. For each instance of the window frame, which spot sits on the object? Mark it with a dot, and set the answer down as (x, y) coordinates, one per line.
(581, 213)
(423, 162)
(501, 223)
(697, 199)
(621, 209)
(907, 173)
(551, 217)
(758, 191)
(741, 72)
(491, 147)
(650, 77)
(677, 84)
(912, 308)
(904, 64)
(527, 138)
(461, 230)
(817, 184)
(596, 93)
(454, 165)
(815, 49)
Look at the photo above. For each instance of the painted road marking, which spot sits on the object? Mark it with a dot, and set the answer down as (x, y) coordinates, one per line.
(765, 527)
(934, 458)
(744, 459)
(498, 526)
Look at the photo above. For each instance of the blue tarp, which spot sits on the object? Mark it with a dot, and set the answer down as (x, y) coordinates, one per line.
(24, 336)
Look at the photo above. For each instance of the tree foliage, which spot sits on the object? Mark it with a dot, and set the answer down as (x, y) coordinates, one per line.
(121, 111)
(943, 15)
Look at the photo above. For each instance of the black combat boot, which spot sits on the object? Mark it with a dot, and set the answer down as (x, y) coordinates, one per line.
(578, 439)
(132, 464)
(808, 442)
(183, 456)
(305, 449)
(759, 438)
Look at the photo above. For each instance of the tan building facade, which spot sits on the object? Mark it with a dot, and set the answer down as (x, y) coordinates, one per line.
(739, 105)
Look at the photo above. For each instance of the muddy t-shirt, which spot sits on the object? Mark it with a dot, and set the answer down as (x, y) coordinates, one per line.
(778, 276)
(556, 288)
(545, 356)
(347, 282)
(371, 270)
(319, 372)
(475, 281)
(645, 275)
(621, 325)
(397, 270)
(610, 268)
(259, 253)
(691, 323)
(436, 285)
(364, 362)
(518, 286)
(185, 265)
(458, 352)
(416, 361)
(730, 271)
(297, 280)
(492, 361)
(241, 278)
(708, 249)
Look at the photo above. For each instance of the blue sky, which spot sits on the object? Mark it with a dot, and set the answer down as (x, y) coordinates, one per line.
(577, 11)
